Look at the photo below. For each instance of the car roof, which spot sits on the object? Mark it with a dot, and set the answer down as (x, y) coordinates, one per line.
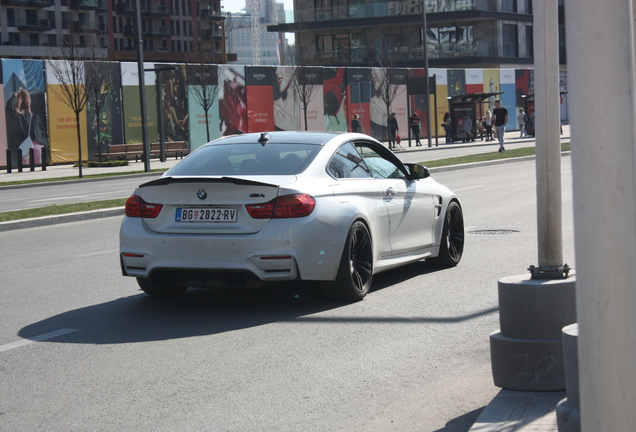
(280, 137)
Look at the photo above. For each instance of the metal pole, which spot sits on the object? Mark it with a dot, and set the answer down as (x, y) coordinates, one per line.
(142, 89)
(425, 57)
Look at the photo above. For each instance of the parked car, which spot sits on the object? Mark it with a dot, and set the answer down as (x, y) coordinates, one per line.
(287, 206)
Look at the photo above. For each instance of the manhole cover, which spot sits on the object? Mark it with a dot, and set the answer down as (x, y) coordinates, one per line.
(493, 232)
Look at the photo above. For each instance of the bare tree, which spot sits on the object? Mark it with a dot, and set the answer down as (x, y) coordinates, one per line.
(202, 73)
(76, 46)
(307, 77)
(385, 84)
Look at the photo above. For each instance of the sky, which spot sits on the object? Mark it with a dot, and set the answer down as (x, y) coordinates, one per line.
(237, 5)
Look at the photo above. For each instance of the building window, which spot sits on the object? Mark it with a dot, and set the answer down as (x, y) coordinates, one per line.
(51, 40)
(11, 17)
(510, 45)
(34, 39)
(50, 15)
(509, 6)
(529, 41)
(324, 45)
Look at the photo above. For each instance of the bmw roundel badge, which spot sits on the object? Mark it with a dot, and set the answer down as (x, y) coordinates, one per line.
(202, 194)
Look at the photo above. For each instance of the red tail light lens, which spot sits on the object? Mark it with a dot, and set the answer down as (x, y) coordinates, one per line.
(286, 206)
(137, 207)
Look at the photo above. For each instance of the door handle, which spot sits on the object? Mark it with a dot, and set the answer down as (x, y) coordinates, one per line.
(390, 191)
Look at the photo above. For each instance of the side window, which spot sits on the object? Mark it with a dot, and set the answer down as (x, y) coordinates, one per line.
(380, 168)
(347, 163)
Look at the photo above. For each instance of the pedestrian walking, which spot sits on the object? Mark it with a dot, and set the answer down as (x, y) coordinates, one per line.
(414, 123)
(500, 115)
(355, 124)
(522, 119)
(393, 131)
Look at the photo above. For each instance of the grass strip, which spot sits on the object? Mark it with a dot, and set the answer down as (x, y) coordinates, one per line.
(508, 154)
(60, 209)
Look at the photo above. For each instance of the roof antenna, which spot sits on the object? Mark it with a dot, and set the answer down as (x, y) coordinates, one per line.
(264, 139)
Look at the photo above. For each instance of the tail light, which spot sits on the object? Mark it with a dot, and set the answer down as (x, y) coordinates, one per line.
(137, 207)
(286, 206)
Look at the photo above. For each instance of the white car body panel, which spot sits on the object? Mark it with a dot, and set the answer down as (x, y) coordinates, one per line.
(405, 224)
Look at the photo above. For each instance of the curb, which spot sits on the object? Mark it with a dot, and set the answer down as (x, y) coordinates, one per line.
(60, 219)
(119, 211)
(83, 180)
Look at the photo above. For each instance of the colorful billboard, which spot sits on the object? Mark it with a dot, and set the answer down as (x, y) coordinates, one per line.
(25, 110)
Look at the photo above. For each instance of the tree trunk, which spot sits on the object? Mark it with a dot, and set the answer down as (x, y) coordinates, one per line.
(79, 142)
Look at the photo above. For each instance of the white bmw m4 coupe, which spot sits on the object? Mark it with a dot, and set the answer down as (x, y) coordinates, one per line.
(249, 209)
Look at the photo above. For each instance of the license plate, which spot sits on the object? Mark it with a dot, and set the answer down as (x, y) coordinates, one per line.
(216, 214)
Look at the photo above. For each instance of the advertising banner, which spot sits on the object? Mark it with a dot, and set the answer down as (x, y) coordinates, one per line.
(508, 98)
(417, 100)
(398, 79)
(443, 110)
(359, 97)
(25, 109)
(132, 103)
(263, 112)
(232, 100)
(203, 91)
(456, 82)
(104, 108)
(334, 91)
(62, 122)
(491, 85)
(310, 90)
(174, 105)
(474, 81)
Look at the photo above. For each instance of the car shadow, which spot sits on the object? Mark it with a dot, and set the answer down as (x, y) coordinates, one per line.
(199, 312)
(144, 318)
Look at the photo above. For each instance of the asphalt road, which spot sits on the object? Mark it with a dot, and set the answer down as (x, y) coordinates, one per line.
(81, 348)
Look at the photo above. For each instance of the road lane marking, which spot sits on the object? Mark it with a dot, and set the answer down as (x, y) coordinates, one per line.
(93, 195)
(469, 187)
(110, 251)
(34, 339)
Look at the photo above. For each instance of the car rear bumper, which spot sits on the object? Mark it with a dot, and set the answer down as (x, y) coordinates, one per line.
(285, 249)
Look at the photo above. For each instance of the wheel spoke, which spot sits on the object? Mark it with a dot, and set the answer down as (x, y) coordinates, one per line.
(360, 243)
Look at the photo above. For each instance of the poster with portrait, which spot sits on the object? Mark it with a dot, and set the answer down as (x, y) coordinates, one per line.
(260, 99)
(25, 109)
(334, 92)
(232, 100)
(132, 103)
(286, 101)
(203, 91)
(104, 108)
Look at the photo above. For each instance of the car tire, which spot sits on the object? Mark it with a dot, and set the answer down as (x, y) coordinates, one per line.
(356, 267)
(451, 246)
(154, 289)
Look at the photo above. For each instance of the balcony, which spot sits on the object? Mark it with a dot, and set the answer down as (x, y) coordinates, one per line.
(211, 14)
(34, 25)
(84, 4)
(151, 10)
(212, 34)
(83, 27)
(31, 3)
(151, 32)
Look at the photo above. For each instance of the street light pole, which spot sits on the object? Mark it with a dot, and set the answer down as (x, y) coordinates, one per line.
(142, 89)
(425, 57)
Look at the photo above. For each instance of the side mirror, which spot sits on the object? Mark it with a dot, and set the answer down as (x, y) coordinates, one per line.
(418, 171)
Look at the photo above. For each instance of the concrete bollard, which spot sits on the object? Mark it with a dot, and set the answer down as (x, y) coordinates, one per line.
(527, 352)
(569, 409)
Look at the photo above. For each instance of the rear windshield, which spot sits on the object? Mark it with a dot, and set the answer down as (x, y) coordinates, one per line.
(247, 159)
